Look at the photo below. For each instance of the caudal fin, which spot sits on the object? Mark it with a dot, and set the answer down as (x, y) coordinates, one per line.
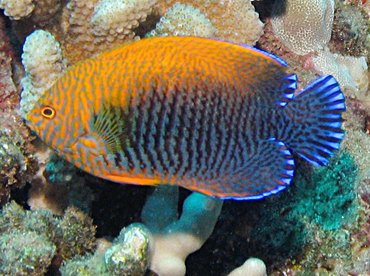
(316, 113)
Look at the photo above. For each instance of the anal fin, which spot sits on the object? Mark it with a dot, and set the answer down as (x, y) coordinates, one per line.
(269, 171)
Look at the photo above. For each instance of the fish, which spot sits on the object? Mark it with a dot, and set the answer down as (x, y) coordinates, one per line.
(212, 116)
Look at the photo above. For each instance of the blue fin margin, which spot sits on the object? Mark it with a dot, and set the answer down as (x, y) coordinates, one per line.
(288, 88)
(269, 172)
(318, 109)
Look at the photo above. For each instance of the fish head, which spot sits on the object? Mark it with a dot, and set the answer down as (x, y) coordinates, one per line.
(63, 126)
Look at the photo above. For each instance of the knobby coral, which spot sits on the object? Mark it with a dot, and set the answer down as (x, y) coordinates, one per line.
(181, 20)
(91, 27)
(36, 237)
(17, 9)
(234, 20)
(303, 26)
(43, 62)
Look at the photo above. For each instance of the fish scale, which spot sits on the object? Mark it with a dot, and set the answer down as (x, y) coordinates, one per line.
(211, 116)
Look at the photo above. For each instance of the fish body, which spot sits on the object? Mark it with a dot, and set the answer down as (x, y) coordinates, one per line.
(214, 117)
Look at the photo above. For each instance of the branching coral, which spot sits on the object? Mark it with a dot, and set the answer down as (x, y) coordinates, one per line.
(38, 10)
(17, 9)
(45, 10)
(115, 19)
(43, 61)
(181, 20)
(91, 27)
(303, 26)
(234, 20)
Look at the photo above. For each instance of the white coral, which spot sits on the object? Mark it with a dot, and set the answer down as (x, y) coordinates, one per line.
(351, 72)
(17, 9)
(251, 267)
(114, 19)
(234, 20)
(181, 20)
(43, 62)
(303, 25)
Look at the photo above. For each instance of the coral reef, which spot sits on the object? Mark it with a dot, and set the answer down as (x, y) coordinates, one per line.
(128, 255)
(25, 253)
(43, 62)
(91, 27)
(114, 20)
(350, 31)
(56, 185)
(8, 90)
(303, 26)
(16, 163)
(38, 236)
(17, 9)
(328, 197)
(234, 20)
(13, 166)
(174, 239)
(251, 267)
(181, 20)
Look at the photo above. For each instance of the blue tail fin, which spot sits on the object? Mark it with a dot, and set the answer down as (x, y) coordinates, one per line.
(316, 113)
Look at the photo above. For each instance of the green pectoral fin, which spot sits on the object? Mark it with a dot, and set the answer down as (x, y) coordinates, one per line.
(111, 123)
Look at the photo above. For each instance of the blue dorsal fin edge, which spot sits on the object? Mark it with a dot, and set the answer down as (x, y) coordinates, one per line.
(270, 55)
(289, 85)
(267, 54)
(319, 107)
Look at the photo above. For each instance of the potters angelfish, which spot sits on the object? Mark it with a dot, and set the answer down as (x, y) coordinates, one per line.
(211, 116)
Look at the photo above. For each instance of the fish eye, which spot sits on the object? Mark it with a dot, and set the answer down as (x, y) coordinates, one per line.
(48, 112)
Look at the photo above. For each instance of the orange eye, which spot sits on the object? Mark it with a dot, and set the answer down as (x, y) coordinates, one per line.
(48, 112)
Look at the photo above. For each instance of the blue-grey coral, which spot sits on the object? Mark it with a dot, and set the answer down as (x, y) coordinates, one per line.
(175, 238)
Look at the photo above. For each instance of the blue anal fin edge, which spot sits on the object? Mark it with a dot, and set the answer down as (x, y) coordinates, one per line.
(319, 108)
(268, 172)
